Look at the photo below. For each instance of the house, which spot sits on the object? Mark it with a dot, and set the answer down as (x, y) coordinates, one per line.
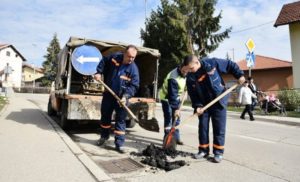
(290, 14)
(30, 74)
(269, 74)
(11, 59)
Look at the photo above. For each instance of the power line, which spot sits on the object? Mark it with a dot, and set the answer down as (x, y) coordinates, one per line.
(253, 27)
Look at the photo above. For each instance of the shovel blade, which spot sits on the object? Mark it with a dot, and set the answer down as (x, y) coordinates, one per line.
(150, 125)
(170, 141)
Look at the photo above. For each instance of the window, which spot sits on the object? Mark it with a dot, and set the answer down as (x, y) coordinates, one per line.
(7, 53)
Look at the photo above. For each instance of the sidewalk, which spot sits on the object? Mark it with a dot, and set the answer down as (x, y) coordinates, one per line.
(33, 148)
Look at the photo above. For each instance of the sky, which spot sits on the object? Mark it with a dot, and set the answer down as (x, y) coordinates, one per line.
(29, 25)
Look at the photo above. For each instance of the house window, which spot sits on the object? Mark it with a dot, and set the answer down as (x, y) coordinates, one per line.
(7, 53)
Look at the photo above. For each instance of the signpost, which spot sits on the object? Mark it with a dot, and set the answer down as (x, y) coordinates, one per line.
(250, 56)
(85, 59)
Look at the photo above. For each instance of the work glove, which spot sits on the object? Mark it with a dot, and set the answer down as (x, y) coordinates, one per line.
(97, 77)
(199, 111)
(177, 113)
(124, 100)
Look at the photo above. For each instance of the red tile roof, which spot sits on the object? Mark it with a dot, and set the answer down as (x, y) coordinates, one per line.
(262, 62)
(3, 46)
(289, 13)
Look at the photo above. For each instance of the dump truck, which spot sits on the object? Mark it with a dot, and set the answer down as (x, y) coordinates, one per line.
(76, 97)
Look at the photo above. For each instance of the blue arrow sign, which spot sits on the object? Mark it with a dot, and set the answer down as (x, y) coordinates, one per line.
(85, 59)
(250, 58)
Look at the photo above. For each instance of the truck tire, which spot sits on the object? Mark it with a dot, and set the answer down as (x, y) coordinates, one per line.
(130, 123)
(64, 122)
(50, 110)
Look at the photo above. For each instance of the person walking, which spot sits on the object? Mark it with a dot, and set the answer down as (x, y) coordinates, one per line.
(253, 89)
(245, 98)
(122, 75)
(204, 83)
(173, 87)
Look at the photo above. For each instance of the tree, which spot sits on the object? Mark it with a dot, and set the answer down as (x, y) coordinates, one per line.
(182, 27)
(50, 64)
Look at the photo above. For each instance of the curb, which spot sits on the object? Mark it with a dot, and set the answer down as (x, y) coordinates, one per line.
(89, 164)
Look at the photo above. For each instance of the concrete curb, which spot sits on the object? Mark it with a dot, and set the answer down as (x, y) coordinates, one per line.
(89, 164)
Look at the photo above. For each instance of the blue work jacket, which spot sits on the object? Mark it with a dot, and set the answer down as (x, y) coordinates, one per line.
(206, 83)
(123, 79)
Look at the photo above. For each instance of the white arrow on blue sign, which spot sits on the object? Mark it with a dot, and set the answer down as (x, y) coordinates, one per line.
(250, 58)
(85, 59)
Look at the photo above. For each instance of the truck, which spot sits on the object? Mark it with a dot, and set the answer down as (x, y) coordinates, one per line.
(75, 97)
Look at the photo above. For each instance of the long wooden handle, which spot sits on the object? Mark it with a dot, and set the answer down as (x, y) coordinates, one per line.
(220, 97)
(183, 95)
(214, 101)
(119, 100)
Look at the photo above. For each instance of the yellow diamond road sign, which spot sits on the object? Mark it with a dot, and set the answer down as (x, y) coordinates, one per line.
(250, 45)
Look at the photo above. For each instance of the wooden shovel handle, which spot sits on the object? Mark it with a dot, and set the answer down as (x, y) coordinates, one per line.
(119, 100)
(214, 101)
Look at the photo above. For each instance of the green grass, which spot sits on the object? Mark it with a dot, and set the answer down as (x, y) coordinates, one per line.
(3, 101)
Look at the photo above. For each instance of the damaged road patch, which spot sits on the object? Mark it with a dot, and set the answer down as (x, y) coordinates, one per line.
(160, 158)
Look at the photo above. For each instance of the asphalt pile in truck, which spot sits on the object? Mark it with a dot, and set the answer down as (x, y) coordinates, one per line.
(157, 157)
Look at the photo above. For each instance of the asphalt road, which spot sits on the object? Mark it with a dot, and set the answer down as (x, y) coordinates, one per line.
(254, 151)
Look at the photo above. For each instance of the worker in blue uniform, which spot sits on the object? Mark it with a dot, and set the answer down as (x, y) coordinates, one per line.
(204, 83)
(173, 87)
(122, 76)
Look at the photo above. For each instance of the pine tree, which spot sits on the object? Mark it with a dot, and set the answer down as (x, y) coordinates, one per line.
(181, 27)
(50, 64)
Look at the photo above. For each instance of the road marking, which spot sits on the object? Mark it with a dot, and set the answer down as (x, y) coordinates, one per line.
(253, 138)
(241, 136)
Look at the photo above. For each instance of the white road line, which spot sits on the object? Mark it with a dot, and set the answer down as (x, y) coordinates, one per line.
(241, 136)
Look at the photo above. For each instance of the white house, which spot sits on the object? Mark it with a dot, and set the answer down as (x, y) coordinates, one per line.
(10, 56)
(290, 15)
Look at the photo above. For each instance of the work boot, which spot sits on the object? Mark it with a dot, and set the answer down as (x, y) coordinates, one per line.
(102, 141)
(242, 117)
(252, 119)
(200, 155)
(121, 150)
(217, 158)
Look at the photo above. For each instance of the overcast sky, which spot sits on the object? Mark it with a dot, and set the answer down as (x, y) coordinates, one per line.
(29, 25)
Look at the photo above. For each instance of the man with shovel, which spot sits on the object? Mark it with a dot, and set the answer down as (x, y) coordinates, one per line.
(204, 84)
(121, 75)
(169, 94)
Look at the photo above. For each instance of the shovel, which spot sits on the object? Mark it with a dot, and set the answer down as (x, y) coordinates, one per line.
(170, 141)
(151, 125)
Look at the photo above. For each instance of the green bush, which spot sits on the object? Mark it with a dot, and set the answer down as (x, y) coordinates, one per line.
(290, 99)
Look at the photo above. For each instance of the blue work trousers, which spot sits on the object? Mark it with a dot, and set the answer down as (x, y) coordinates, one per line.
(109, 104)
(217, 114)
(169, 119)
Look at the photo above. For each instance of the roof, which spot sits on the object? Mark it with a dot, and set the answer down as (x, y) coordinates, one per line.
(36, 68)
(108, 46)
(263, 62)
(289, 13)
(3, 46)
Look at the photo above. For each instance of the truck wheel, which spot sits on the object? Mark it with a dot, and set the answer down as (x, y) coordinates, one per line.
(64, 122)
(130, 123)
(50, 110)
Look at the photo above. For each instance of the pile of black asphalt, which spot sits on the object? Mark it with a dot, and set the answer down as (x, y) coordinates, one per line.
(157, 157)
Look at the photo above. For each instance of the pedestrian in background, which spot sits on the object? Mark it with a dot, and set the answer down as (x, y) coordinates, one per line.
(245, 98)
(253, 88)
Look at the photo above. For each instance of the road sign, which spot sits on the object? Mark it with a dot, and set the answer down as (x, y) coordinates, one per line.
(250, 45)
(85, 59)
(250, 58)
